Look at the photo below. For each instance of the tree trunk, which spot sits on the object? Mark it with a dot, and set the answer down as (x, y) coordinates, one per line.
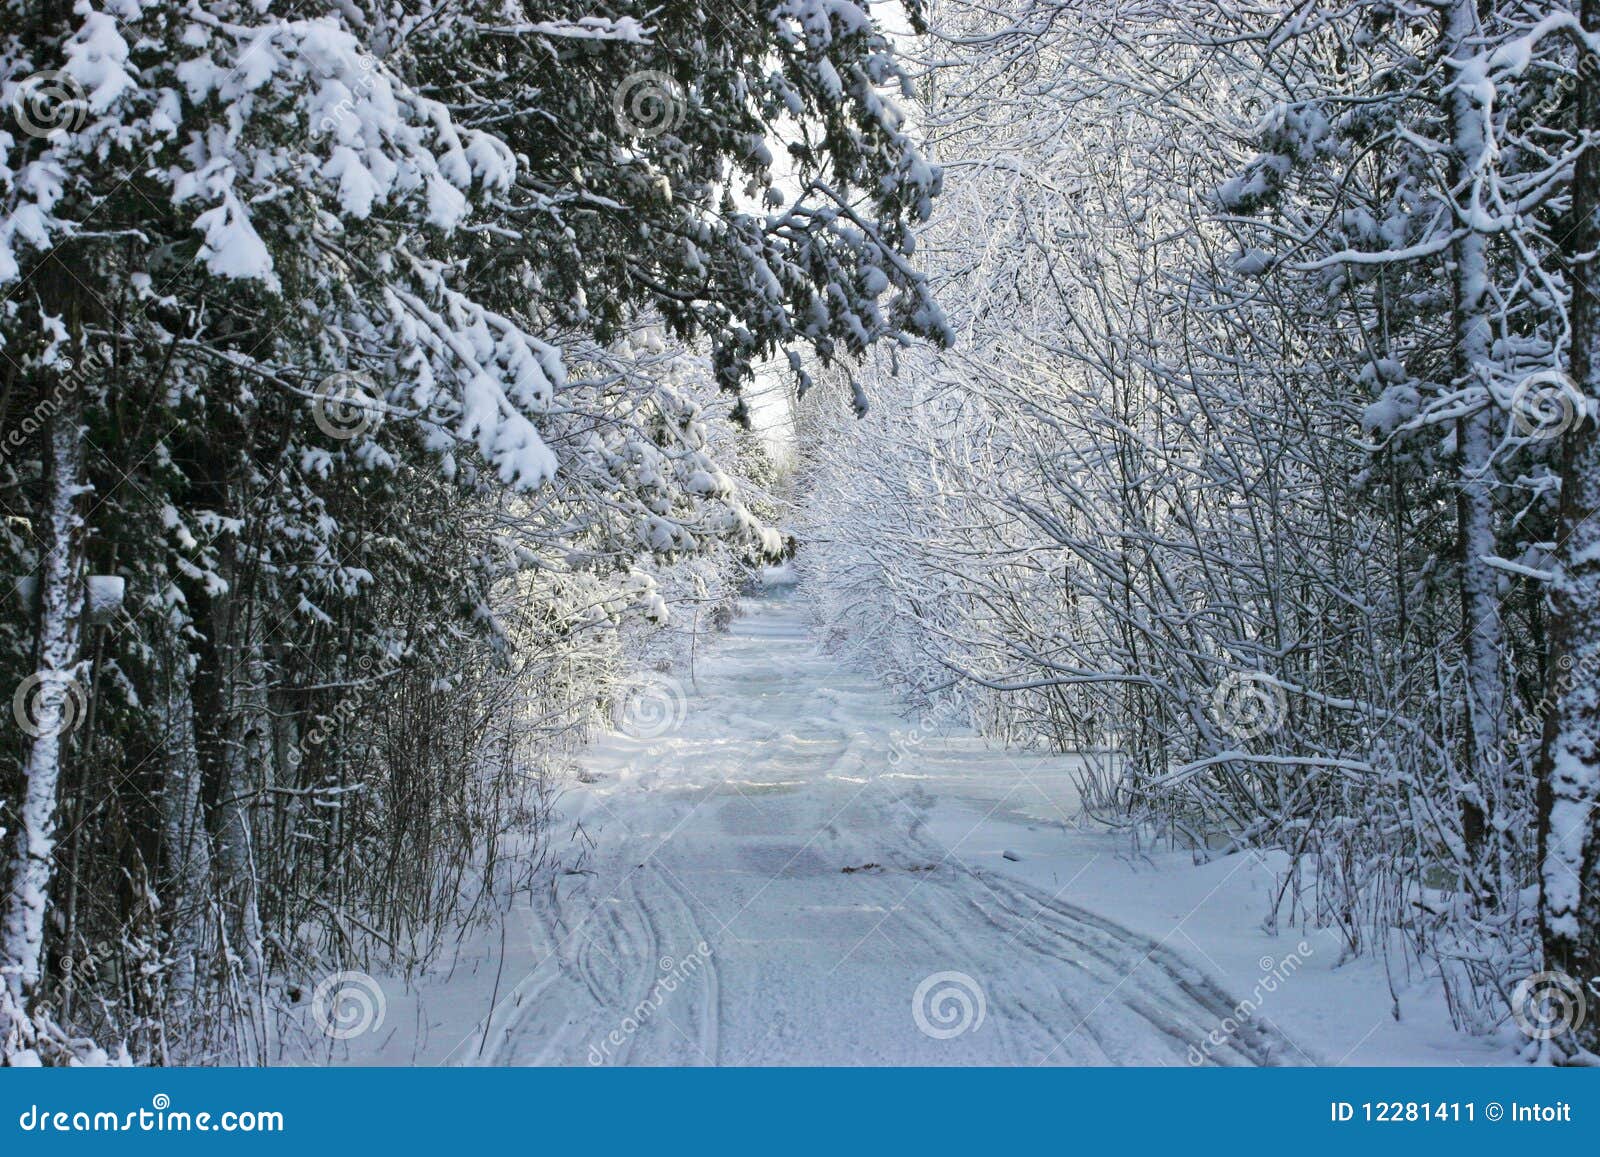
(1569, 765)
(244, 775)
(51, 710)
(1482, 634)
(186, 844)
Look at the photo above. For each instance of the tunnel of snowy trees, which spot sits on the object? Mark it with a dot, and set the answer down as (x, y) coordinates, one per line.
(1205, 388)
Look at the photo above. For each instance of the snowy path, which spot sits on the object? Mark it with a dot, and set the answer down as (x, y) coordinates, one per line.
(713, 921)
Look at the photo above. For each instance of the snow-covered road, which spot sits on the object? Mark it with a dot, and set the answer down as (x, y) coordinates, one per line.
(763, 887)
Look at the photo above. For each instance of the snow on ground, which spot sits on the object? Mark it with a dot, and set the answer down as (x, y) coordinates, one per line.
(774, 863)
(1334, 1011)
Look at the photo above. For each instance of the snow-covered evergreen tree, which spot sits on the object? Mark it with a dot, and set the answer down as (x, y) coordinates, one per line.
(322, 336)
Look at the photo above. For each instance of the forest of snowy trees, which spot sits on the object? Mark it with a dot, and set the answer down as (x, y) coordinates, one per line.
(1263, 469)
(366, 374)
(1208, 388)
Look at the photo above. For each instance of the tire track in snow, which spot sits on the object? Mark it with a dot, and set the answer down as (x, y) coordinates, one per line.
(809, 963)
